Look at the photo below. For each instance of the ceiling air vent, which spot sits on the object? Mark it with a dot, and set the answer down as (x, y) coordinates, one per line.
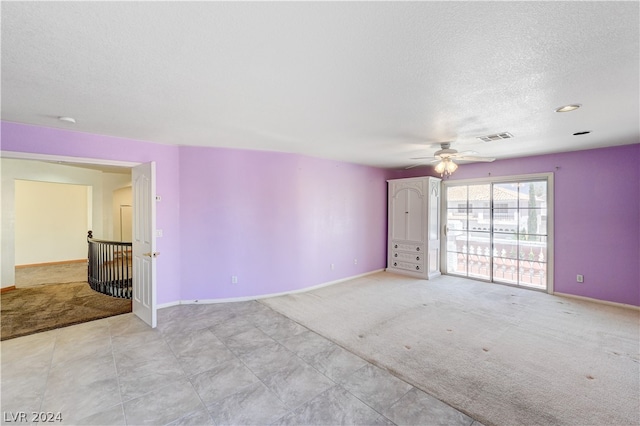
(495, 137)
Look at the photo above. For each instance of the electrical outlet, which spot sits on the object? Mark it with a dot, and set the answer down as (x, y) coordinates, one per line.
(332, 267)
(234, 279)
(580, 278)
(355, 261)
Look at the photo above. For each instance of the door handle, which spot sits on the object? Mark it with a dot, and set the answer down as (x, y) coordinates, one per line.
(154, 254)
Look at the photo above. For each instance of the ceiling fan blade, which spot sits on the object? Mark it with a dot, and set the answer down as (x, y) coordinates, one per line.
(415, 165)
(474, 158)
(427, 159)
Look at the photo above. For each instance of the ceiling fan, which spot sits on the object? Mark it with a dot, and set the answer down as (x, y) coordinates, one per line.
(445, 156)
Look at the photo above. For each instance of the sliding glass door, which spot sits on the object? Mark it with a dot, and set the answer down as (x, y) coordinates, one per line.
(498, 231)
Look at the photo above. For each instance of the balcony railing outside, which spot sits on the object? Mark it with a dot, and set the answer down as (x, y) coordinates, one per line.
(109, 267)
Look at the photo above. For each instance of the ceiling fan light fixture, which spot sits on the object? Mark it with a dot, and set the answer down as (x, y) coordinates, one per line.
(446, 167)
(451, 167)
(568, 108)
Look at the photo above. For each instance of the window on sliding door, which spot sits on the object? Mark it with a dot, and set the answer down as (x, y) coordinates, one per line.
(498, 231)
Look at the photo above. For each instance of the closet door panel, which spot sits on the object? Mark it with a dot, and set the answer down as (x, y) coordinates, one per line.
(416, 216)
(399, 215)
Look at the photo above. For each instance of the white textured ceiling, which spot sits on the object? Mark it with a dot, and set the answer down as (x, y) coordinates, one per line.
(367, 82)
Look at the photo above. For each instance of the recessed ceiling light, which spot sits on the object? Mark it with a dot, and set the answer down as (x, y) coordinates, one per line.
(586, 132)
(68, 119)
(567, 108)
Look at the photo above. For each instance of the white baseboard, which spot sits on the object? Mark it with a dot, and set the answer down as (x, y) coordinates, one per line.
(603, 302)
(59, 262)
(265, 296)
(168, 305)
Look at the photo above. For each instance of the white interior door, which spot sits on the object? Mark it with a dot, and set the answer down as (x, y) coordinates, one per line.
(144, 242)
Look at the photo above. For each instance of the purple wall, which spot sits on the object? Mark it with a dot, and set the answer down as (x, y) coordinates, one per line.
(597, 216)
(276, 221)
(42, 140)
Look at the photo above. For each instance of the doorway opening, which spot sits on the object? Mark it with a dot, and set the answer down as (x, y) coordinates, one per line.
(120, 230)
(51, 219)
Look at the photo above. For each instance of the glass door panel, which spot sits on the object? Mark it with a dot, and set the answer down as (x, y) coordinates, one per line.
(457, 197)
(457, 230)
(457, 242)
(457, 263)
(468, 243)
(479, 253)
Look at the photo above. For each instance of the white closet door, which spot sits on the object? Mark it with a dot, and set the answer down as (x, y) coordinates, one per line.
(416, 215)
(399, 215)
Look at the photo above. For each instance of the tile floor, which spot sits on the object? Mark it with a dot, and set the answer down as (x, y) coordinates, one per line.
(222, 364)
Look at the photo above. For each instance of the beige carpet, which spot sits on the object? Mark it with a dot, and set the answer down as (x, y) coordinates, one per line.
(504, 356)
(31, 276)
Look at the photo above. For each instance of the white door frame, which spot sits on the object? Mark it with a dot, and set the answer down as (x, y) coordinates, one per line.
(66, 159)
(71, 160)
